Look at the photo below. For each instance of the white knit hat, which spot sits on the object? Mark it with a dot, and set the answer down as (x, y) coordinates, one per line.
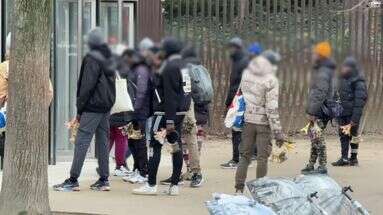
(145, 44)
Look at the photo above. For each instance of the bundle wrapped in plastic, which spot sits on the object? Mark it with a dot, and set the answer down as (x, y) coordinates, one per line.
(283, 196)
(223, 204)
(330, 196)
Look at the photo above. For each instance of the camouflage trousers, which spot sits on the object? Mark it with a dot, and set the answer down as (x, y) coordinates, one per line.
(318, 145)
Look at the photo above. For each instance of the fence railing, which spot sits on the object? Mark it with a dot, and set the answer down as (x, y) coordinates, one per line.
(291, 27)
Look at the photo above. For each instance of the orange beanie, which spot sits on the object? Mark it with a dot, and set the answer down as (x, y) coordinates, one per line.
(323, 49)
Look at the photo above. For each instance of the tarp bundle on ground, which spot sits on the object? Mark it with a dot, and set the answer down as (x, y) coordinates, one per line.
(309, 194)
(223, 204)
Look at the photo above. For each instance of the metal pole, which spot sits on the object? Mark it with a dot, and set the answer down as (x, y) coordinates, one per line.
(120, 5)
(79, 35)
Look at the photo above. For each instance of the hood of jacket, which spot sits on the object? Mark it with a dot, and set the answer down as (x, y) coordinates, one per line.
(189, 54)
(328, 63)
(103, 55)
(260, 66)
(238, 55)
(171, 46)
(356, 71)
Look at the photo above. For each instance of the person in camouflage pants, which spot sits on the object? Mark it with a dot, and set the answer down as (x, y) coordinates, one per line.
(321, 92)
(318, 143)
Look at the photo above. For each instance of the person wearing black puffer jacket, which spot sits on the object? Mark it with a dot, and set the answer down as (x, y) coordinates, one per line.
(353, 95)
(193, 130)
(171, 101)
(321, 93)
(96, 95)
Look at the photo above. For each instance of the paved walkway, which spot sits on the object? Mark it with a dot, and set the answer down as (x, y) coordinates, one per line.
(366, 181)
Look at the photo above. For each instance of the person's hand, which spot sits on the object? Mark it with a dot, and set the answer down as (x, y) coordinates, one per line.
(346, 129)
(280, 139)
(311, 118)
(170, 128)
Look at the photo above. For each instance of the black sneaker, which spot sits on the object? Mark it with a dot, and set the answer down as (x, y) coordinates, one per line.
(354, 162)
(100, 186)
(67, 186)
(230, 165)
(169, 181)
(341, 162)
(196, 180)
(309, 169)
(321, 170)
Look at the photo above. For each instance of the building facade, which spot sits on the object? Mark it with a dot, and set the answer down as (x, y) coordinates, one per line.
(123, 21)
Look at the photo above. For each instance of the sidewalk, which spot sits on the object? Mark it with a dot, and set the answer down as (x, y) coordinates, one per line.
(366, 181)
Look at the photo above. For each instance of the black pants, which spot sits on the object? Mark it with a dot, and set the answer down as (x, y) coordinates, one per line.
(139, 150)
(345, 140)
(155, 149)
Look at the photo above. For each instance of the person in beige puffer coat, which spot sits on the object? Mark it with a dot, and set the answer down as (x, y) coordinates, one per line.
(260, 89)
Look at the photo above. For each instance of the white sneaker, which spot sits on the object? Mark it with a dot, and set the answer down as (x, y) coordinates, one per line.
(137, 179)
(119, 173)
(146, 190)
(129, 176)
(141, 179)
(126, 170)
(173, 190)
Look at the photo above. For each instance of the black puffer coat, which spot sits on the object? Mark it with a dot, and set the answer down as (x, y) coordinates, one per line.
(240, 60)
(352, 91)
(321, 87)
(96, 90)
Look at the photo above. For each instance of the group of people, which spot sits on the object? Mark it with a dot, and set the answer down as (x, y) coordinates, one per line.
(332, 97)
(159, 86)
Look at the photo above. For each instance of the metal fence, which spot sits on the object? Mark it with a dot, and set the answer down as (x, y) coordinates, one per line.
(291, 27)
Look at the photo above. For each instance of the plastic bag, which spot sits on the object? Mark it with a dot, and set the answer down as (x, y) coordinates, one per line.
(329, 195)
(283, 196)
(236, 113)
(3, 118)
(123, 101)
(223, 204)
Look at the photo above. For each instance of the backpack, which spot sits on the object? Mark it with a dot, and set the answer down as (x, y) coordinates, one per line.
(202, 86)
(187, 88)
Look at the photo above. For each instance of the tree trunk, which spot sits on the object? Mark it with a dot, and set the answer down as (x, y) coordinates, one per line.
(25, 178)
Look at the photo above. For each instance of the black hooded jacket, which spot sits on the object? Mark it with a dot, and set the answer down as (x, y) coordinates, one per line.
(201, 110)
(321, 87)
(240, 60)
(169, 96)
(353, 92)
(96, 90)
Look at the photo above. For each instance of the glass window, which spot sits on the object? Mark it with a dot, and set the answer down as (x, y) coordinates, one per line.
(66, 73)
(109, 22)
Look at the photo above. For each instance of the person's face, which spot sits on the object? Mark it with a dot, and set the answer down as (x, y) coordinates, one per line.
(157, 60)
(345, 71)
(232, 49)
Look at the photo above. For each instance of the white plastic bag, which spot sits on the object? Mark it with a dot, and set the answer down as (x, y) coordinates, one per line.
(235, 115)
(123, 101)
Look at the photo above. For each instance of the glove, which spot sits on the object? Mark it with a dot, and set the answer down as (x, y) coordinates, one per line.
(311, 118)
(170, 128)
(280, 139)
(346, 129)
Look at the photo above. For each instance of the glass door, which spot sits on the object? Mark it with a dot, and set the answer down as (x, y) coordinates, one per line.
(68, 57)
(117, 28)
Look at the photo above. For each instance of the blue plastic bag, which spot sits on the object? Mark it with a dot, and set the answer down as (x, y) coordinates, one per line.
(235, 117)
